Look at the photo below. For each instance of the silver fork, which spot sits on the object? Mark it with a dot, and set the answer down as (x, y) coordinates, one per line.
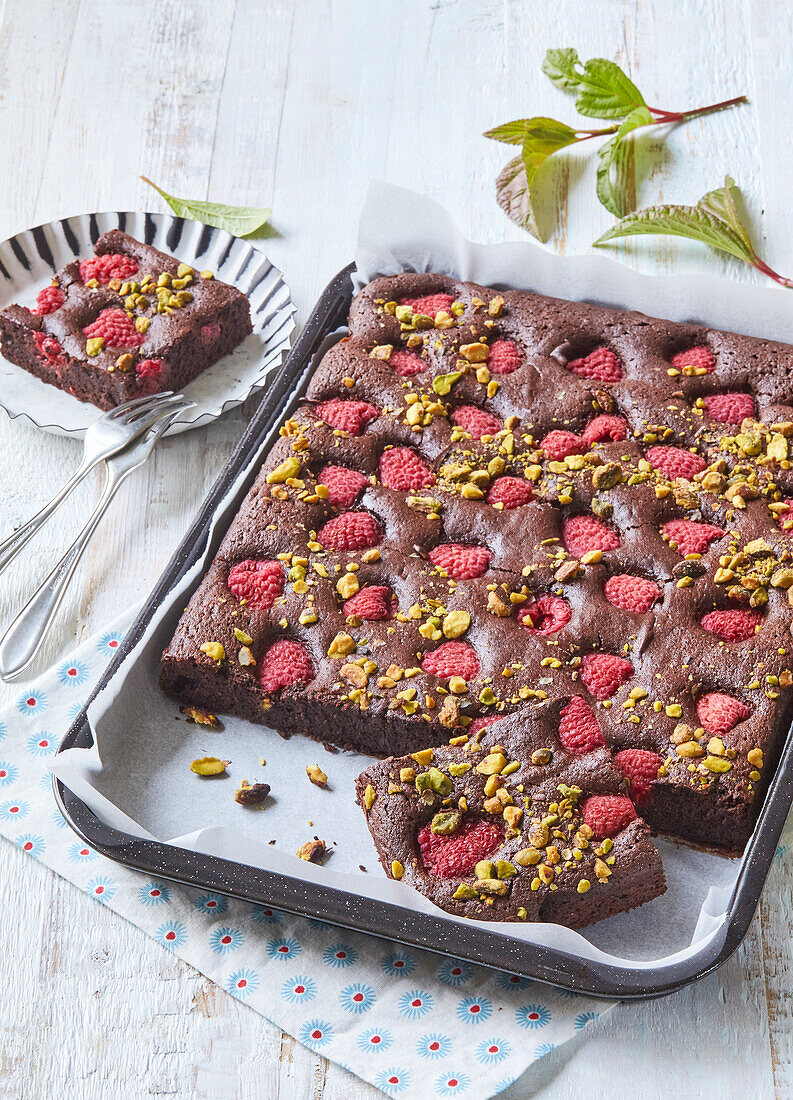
(108, 435)
(26, 633)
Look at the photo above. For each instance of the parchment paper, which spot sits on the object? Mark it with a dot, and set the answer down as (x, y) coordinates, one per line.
(136, 777)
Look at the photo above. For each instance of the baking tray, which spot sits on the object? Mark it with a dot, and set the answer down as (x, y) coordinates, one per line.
(363, 914)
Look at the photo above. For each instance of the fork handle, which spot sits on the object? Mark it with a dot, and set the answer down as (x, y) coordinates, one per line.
(11, 546)
(29, 629)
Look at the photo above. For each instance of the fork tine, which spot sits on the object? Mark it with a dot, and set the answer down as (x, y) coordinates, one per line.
(146, 418)
(162, 405)
(138, 402)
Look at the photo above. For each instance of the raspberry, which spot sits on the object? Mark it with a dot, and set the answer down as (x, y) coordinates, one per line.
(209, 333)
(402, 469)
(49, 350)
(147, 368)
(640, 766)
(733, 624)
(349, 416)
(689, 536)
(785, 519)
(674, 462)
(608, 814)
(604, 673)
(504, 357)
(373, 603)
(476, 421)
(546, 615)
(49, 299)
(628, 593)
(601, 365)
(696, 358)
(481, 724)
(729, 408)
(463, 563)
(343, 484)
(719, 713)
(116, 329)
(350, 531)
(257, 582)
(105, 268)
(559, 444)
(580, 534)
(406, 363)
(455, 855)
(579, 731)
(605, 429)
(510, 492)
(429, 305)
(285, 663)
(452, 659)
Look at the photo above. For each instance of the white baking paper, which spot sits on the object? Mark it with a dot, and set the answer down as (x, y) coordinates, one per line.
(137, 778)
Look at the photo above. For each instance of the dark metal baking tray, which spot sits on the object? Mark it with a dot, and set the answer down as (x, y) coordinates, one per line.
(435, 933)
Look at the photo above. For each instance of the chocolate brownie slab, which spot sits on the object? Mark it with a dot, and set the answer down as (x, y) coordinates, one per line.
(125, 322)
(526, 819)
(490, 500)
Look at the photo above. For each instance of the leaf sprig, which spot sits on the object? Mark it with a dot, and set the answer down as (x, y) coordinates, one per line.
(240, 221)
(602, 90)
(714, 221)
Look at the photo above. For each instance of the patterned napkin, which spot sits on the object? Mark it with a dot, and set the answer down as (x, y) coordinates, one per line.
(413, 1023)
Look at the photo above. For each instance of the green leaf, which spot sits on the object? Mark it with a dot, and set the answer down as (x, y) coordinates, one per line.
(511, 133)
(238, 220)
(514, 196)
(545, 136)
(614, 173)
(560, 68)
(516, 182)
(723, 204)
(604, 91)
(694, 222)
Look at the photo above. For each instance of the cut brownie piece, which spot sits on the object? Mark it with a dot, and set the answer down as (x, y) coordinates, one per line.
(125, 322)
(507, 823)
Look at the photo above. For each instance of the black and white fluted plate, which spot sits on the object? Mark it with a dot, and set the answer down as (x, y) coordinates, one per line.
(29, 260)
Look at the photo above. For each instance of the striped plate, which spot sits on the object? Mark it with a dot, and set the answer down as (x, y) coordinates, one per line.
(28, 261)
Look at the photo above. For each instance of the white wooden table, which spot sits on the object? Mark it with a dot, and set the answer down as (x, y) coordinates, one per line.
(296, 104)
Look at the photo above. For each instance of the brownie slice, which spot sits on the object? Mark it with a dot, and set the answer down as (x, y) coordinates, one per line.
(489, 500)
(506, 823)
(126, 322)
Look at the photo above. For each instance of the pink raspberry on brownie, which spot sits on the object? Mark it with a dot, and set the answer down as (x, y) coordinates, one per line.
(559, 443)
(733, 624)
(149, 368)
(256, 581)
(402, 469)
(429, 304)
(608, 814)
(209, 333)
(690, 537)
(106, 267)
(601, 365)
(116, 328)
(605, 429)
(477, 422)
(784, 519)
(452, 659)
(285, 663)
(582, 534)
(455, 854)
(729, 408)
(460, 562)
(630, 593)
(674, 462)
(504, 357)
(481, 724)
(719, 713)
(603, 674)
(48, 300)
(350, 531)
(374, 603)
(49, 350)
(406, 363)
(640, 766)
(695, 359)
(347, 416)
(547, 615)
(510, 492)
(579, 731)
(342, 483)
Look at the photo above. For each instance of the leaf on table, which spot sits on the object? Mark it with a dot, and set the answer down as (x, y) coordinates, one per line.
(604, 91)
(511, 133)
(238, 220)
(515, 185)
(615, 183)
(723, 203)
(560, 68)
